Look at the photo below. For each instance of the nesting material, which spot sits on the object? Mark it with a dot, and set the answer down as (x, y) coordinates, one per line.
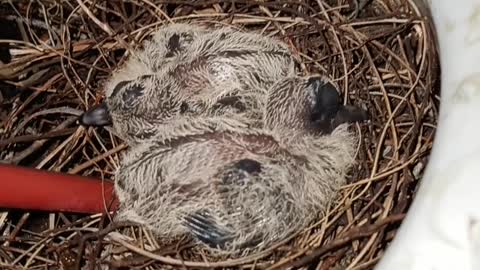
(380, 54)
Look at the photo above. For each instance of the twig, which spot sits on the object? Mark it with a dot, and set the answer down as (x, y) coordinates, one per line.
(347, 237)
(92, 161)
(37, 144)
(29, 138)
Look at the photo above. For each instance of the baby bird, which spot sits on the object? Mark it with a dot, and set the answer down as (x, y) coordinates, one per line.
(187, 71)
(241, 192)
(307, 105)
(227, 145)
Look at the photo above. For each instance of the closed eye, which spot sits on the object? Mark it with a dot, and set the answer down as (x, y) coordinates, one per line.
(117, 88)
(132, 93)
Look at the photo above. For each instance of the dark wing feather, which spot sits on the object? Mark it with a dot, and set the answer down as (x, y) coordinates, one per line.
(203, 227)
(207, 228)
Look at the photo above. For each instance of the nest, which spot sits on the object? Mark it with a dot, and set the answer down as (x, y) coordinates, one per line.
(382, 54)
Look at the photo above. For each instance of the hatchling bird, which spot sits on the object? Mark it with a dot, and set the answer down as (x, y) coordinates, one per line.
(186, 71)
(307, 105)
(238, 191)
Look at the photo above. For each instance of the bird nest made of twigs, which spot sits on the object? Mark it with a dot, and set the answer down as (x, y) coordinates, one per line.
(381, 54)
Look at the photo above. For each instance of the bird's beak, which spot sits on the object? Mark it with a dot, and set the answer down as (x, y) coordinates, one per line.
(350, 114)
(96, 116)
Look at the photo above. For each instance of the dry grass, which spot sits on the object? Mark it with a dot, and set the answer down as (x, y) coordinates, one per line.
(382, 55)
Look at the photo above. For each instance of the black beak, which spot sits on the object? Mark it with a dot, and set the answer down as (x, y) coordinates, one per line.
(350, 114)
(96, 116)
(328, 112)
(327, 121)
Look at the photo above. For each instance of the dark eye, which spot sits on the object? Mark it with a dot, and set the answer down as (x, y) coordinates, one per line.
(119, 86)
(174, 42)
(131, 94)
(183, 107)
(327, 100)
(328, 96)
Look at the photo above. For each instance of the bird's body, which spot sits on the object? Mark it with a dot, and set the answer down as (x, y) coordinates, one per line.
(227, 144)
(234, 193)
(187, 71)
(238, 190)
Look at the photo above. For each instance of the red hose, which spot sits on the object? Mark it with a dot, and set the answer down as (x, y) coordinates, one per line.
(30, 189)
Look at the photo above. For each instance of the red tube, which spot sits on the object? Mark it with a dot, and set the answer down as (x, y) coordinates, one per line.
(30, 189)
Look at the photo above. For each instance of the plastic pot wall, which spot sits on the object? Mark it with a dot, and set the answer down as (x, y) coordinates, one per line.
(442, 228)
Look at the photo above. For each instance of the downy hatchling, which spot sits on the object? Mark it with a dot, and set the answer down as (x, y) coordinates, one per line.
(188, 71)
(240, 192)
(236, 167)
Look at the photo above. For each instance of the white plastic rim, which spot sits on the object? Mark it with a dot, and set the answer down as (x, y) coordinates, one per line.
(442, 228)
